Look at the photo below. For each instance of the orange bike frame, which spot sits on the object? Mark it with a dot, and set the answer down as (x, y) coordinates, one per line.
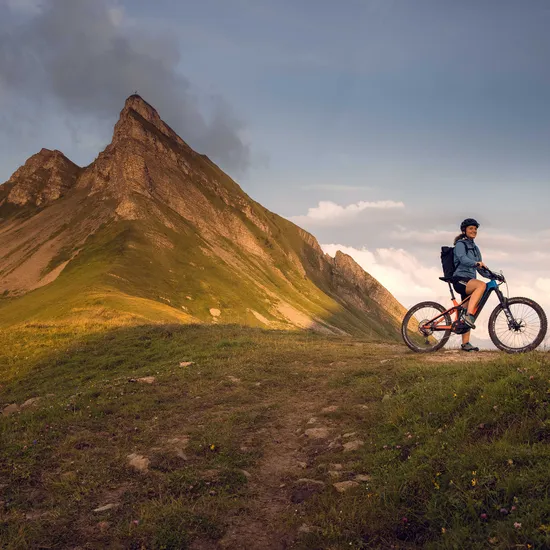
(491, 286)
(451, 310)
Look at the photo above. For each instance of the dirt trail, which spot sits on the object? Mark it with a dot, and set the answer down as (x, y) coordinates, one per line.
(284, 447)
(269, 483)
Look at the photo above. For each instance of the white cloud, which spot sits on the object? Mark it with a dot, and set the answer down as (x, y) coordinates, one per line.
(543, 285)
(328, 211)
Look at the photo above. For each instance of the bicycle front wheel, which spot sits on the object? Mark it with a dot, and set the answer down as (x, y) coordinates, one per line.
(419, 324)
(525, 332)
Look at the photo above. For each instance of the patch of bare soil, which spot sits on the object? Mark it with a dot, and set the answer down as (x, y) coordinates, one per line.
(270, 490)
(398, 351)
(458, 356)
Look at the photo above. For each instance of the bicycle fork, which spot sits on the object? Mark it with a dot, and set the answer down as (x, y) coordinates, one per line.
(512, 323)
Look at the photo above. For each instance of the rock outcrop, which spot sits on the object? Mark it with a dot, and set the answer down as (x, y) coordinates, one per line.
(44, 178)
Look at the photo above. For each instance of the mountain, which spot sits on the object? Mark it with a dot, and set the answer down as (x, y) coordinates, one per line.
(152, 231)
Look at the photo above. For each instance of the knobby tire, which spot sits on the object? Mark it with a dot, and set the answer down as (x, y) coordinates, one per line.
(537, 340)
(410, 314)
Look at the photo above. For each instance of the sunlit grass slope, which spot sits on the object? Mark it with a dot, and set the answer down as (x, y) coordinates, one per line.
(144, 271)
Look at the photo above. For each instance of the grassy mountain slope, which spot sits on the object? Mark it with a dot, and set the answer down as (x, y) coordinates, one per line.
(153, 231)
(142, 270)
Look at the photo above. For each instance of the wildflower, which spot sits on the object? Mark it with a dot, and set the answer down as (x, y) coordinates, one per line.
(404, 519)
(437, 474)
(212, 447)
(443, 530)
(517, 525)
(474, 482)
(531, 377)
(436, 485)
(482, 396)
(135, 522)
(513, 508)
(454, 394)
(474, 472)
(483, 516)
(503, 511)
(510, 461)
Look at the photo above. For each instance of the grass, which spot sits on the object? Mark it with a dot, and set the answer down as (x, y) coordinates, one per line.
(458, 459)
(456, 452)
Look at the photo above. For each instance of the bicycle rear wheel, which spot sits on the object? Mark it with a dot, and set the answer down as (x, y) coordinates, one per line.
(422, 338)
(528, 331)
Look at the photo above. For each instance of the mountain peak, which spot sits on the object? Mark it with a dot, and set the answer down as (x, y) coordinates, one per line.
(138, 120)
(136, 103)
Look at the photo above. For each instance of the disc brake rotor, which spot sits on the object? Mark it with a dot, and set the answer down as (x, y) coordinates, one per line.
(518, 325)
(424, 330)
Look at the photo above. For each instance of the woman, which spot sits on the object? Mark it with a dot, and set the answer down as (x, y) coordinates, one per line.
(467, 259)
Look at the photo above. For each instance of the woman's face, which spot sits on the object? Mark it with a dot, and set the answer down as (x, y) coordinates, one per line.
(471, 232)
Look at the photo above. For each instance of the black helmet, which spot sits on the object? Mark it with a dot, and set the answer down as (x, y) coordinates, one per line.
(467, 222)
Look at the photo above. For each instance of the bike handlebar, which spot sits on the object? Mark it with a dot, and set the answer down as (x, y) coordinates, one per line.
(488, 274)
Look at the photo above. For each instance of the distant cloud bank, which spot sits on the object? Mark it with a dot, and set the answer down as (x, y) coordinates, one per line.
(328, 211)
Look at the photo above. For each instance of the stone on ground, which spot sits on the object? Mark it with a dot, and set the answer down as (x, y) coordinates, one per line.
(147, 380)
(343, 486)
(10, 409)
(139, 462)
(353, 445)
(317, 433)
(30, 402)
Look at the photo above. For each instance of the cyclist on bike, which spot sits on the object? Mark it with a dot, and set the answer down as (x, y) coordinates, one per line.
(467, 260)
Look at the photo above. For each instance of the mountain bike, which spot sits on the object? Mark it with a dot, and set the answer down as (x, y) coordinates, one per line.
(516, 325)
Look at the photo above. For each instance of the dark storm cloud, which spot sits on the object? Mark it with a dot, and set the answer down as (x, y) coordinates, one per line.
(88, 57)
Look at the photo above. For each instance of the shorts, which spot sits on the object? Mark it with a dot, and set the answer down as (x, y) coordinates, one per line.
(459, 284)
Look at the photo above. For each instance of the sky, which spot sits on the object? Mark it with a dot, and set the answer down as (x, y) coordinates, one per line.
(376, 125)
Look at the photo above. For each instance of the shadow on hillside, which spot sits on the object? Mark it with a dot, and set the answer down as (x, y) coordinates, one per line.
(46, 358)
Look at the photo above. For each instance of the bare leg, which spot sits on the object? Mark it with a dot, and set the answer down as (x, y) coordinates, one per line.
(475, 289)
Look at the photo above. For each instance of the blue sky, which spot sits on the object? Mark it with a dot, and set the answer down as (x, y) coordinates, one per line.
(440, 105)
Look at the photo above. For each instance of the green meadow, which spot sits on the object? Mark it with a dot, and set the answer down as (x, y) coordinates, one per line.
(169, 436)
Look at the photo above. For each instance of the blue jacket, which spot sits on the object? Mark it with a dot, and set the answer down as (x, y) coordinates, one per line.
(466, 254)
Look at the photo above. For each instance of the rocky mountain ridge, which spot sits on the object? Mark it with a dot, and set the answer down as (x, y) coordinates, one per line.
(149, 191)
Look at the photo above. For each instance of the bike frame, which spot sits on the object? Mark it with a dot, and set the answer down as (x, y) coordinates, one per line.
(492, 286)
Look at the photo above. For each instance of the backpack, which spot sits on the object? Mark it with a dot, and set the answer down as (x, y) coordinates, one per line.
(447, 261)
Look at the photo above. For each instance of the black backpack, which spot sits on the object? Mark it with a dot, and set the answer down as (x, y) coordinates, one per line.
(447, 261)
